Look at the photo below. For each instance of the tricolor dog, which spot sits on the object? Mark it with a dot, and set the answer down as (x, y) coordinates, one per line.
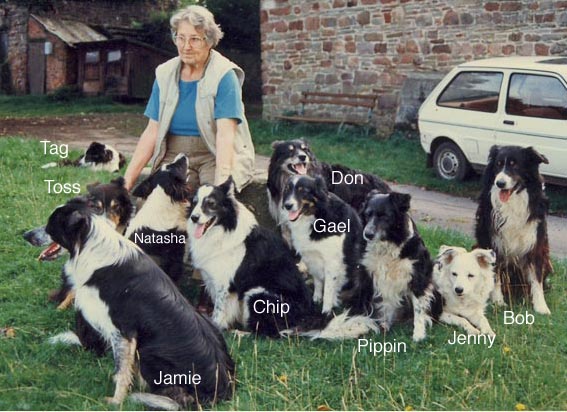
(511, 219)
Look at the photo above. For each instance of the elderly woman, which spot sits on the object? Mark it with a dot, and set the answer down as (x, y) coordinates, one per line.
(196, 108)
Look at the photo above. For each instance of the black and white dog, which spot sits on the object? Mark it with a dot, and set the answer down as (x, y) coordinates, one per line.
(251, 274)
(511, 219)
(140, 313)
(160, 226)
(97, 157)
(326, 232)
(398, 263)
(295, 158)
(465, 281)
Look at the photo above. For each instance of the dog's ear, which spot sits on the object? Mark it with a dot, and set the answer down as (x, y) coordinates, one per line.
(144, 189)
(91, 186)
(534, 156)
(321, 187)
(119, 181)
(401, 201)
(493, 153)
(486, 258)
(228, 187)
(76, 218)
(447, 254)
(276, 143)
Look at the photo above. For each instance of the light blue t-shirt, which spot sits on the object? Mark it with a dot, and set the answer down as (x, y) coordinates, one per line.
(228, 105)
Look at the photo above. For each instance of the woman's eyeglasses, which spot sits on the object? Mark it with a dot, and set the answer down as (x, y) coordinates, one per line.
(194, 41)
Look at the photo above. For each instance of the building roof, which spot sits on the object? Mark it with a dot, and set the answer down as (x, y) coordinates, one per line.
(70, 31)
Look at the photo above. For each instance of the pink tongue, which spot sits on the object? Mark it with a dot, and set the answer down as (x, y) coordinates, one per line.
(505, 195)
(199, 231)
(300, 169)
(293, 215)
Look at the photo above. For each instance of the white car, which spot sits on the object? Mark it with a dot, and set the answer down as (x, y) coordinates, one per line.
(504, 101)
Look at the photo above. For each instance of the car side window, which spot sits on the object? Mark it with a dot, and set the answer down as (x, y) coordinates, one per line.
(532, 95)
(477, 91)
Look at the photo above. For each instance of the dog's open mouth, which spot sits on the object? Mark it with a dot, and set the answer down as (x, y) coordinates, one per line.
(293, 215)
(52, 252)
(505, 194)
(201, 228)
(298, 168)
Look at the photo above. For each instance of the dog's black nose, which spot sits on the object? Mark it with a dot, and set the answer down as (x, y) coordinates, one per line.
(288, 206)
(303, 158)
(368, 235)
(459, 291)
(501, 184)
(195, 218)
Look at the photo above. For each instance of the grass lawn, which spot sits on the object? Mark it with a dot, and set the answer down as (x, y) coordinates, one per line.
(34, 106)
(526, 367)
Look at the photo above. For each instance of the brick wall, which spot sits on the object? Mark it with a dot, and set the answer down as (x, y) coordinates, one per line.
(13, 20)
(365, 45)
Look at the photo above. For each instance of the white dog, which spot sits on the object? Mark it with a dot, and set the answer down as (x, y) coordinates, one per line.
(465, 281)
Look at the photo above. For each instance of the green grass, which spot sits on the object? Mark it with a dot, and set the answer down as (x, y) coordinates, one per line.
(35, 106)
(396, 159)
(526, 365)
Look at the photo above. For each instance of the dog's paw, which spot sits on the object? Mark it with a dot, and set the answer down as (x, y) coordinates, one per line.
(542, 309)
(471, 330)
(418, 336)
(112, 400)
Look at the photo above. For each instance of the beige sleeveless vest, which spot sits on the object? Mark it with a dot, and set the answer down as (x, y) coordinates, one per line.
(167, 76)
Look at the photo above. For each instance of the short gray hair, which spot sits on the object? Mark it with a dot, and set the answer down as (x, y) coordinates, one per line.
(200, 18)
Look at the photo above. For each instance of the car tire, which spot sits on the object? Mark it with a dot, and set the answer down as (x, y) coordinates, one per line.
(450, 163)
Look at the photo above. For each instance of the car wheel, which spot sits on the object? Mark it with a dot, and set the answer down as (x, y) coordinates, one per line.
(450, 163)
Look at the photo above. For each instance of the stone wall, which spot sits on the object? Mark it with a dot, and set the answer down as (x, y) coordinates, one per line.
(14, 21)
(363, 46)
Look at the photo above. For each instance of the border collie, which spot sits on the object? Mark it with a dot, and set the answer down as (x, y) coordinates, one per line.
(160, 226)
(465, 281)
(294, 157)
(251, 274)
(397, 262)
(110, 200)
(511, 219)
(326, 232)
(97, 157)
(140, 313)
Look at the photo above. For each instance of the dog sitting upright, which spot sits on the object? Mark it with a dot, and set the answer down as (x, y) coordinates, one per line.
(326, 232)
(160, 227)
(140, 313)
(511, 219)
(397, 262)
(465, 281)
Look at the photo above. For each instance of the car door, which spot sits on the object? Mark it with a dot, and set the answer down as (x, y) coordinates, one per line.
(535, 114)
(466, 111)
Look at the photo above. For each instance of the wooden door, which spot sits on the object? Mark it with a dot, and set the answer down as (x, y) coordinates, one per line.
(36, 67)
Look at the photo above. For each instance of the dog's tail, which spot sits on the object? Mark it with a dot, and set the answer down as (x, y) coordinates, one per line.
(154, 401)
(66, 338)
(48, 165)
(337, 327)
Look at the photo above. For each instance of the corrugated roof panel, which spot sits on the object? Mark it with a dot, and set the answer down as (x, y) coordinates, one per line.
(70, 31)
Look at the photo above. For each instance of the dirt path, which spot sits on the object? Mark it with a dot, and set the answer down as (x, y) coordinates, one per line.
(429, 208)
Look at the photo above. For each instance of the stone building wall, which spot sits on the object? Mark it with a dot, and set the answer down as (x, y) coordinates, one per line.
(363, 46)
